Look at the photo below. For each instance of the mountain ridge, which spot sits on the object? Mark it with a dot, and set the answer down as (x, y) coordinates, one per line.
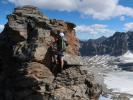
(115, 45)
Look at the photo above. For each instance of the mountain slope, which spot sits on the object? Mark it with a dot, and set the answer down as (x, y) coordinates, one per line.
(115, 45)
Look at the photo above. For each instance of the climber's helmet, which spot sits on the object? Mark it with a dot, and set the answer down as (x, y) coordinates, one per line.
(61, 34)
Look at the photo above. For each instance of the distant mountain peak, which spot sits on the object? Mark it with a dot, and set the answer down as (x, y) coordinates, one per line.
(115, 45)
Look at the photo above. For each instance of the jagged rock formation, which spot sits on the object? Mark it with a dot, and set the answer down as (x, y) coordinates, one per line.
(26, 63)
(115, 45)
(88, 48)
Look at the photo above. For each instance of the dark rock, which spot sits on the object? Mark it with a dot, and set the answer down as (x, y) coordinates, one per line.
(26, 59)
(115, 45)
(77, 84)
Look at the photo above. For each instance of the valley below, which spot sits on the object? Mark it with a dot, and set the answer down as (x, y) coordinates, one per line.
(115, 74)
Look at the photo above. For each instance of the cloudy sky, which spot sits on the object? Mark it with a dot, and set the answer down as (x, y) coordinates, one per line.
(94, 18)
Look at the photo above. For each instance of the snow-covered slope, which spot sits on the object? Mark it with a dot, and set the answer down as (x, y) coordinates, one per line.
(127, 57)
(120, 82)
(113, 77)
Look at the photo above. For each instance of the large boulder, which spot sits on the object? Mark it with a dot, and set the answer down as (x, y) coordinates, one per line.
(75, 84)
(26, 68)
(31, 33)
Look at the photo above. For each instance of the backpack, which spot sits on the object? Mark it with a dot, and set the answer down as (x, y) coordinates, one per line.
(62, 44)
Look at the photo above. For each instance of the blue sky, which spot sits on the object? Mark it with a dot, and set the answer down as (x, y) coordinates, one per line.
(92, 17)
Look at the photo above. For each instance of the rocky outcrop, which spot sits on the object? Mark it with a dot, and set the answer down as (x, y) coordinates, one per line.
(26, 68)
(115, 45)
(74, 83)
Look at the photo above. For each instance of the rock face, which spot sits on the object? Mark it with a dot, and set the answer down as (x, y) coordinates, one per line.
(26, 60)
(89, 48)
(115, 45)
(77, 84)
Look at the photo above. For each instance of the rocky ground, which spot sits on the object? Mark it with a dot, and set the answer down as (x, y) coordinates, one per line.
(26, 68)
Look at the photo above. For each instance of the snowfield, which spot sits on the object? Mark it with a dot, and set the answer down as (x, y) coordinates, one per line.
(127, 57)
(120, 82)
(114, 77)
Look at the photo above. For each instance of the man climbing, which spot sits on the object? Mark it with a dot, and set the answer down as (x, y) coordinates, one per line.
(61, 47)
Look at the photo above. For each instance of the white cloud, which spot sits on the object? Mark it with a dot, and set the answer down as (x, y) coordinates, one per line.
(122, 18)
(96, 30)
(1, 27)
(128, 26)
(66, 5)
(98, 9)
